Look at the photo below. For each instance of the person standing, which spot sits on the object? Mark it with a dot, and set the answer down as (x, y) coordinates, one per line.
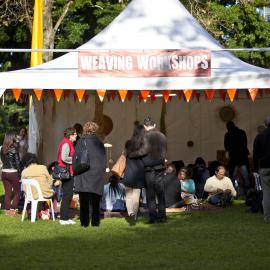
(261, 161)
(154, 162)
(235, 142)
(11, 173)
(90, 184)
(134, 175)
(64, 158)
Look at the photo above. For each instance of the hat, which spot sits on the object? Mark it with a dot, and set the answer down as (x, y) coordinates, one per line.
(267, 121)
(148, 121)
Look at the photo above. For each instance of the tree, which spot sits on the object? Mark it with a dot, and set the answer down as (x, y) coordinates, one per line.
(236, 24)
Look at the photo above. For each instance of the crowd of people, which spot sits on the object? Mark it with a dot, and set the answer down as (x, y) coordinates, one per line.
(148, 178)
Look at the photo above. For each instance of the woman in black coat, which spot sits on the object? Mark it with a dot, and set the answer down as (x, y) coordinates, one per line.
(134, 176)
(90, 184)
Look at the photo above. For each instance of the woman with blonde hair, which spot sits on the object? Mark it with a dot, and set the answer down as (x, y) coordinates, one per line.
(89, 184)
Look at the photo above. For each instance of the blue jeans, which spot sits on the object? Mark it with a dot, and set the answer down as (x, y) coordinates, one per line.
(221, 199)
(244, 173)
(265, 180)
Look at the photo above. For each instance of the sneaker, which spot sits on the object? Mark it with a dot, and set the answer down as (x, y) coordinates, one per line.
(71, 222)
(64, 222)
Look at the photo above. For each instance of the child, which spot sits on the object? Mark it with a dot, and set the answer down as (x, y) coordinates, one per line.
(187, 186)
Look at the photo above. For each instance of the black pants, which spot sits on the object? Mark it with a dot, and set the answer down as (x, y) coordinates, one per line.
(67, 188)
(88, 200)
(155, 189)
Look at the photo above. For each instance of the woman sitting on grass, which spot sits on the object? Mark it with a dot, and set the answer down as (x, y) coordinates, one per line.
(113, 196)
(187, 186)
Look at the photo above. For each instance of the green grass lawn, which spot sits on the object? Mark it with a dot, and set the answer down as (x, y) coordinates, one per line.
(229, 239)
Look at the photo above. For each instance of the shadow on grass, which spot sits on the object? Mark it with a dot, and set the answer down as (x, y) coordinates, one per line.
(187, 241)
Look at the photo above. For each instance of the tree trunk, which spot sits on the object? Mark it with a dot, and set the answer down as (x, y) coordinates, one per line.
(48, 31)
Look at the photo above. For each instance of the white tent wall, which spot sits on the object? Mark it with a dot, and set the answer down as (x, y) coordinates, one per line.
(195, 121)
(52, 119)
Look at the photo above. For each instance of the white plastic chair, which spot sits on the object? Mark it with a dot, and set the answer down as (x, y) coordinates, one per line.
(28, 183)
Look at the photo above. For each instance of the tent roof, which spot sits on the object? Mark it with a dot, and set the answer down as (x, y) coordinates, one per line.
(145, 24)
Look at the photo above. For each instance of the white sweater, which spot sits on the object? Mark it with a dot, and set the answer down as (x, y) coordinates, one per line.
(213, 183)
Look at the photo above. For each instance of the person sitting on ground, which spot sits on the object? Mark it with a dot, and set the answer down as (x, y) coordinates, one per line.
(38, 172)
(172, 188)
(200, 175)
(187, 185)
(220, 188)
(113, 196)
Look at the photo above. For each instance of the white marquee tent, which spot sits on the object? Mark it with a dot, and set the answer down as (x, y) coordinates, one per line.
(143, 25)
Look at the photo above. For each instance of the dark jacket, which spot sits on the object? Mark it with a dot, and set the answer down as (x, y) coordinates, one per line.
(156, 148)
(172, 188)
(11, 160)
(93, 179)
(235, 142)
(200, 175)
(261, 150)
(134, 175)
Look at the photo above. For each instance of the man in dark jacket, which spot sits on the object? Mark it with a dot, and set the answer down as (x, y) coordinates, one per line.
(261, 160)
(154, 162)
(235, 142)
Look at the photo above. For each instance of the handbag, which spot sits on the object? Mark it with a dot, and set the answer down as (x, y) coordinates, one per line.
(119, 166)
(60, 173)
(81, 161)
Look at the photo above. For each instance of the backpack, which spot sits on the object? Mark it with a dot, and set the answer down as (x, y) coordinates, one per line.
(81, 160)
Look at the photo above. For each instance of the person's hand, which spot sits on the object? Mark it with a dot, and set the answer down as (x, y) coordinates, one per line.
(219, 190)
(57, 183)
(228, 191)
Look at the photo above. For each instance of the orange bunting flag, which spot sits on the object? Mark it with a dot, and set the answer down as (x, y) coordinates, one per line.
(144, 94)
(231, 93)
(209, 94)
(38, 93)
(17, 93)
(80, 94)
(253, 93)
(122, 94)
(101, 94)
(166, 95)
(58, 94)
(188, 94)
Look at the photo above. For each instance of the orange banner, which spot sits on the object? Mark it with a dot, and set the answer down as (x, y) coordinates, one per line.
(144, 63)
